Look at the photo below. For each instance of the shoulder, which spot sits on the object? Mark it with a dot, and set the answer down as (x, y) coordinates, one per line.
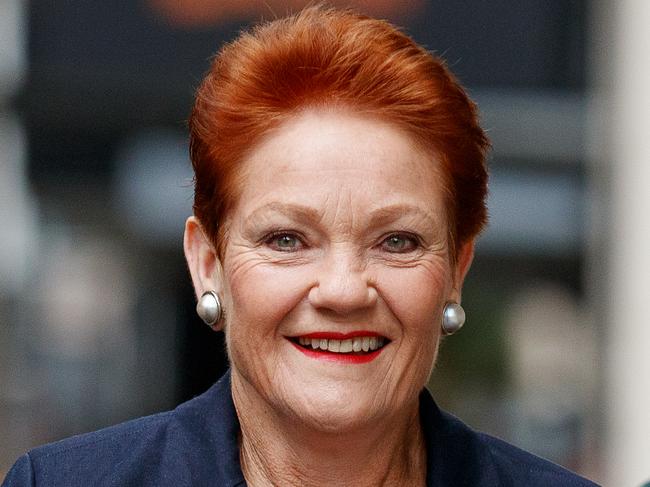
(459, 455)
(523, 468)
(90, 457)
(170, 448)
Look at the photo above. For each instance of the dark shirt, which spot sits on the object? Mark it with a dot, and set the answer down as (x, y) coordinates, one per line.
(196, 444)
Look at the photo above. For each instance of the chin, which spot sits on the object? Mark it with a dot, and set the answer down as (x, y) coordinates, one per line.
(335, 420)
(334, 409)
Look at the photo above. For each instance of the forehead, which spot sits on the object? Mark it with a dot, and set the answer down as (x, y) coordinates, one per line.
(319, 156)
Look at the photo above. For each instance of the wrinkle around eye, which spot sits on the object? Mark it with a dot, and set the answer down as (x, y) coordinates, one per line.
(421, 256)
(400, 260)
(245, 256)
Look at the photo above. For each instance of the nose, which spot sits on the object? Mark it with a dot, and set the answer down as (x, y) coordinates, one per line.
(343, 285)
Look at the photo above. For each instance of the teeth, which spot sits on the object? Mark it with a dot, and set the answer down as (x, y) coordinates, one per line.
(357, 344)
(334, 345)
(346, 346)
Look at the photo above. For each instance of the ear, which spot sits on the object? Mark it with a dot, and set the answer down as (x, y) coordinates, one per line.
(463, 262)
(204, 265)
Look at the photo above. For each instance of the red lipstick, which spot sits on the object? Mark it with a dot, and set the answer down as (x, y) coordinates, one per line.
(346, 358)
(341, 357)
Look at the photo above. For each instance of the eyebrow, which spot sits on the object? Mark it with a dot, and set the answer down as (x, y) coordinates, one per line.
(393, 212)
(293, 211)
(379, 216)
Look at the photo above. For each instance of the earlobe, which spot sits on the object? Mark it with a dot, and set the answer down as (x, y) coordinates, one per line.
(202, 260)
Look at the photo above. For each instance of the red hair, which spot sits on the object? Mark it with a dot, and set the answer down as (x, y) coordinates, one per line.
(328, 57)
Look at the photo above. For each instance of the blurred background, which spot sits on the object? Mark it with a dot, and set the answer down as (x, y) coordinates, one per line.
(97, 320)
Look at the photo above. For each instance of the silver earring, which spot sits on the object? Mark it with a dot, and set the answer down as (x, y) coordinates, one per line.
(209, 308)
(453, 318)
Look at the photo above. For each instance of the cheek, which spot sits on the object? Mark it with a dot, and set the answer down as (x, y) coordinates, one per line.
(416, 298)
(417, 295)
(260, 296)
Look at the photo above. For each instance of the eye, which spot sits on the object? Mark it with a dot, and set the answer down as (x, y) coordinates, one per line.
(400, 243)
(284, 242)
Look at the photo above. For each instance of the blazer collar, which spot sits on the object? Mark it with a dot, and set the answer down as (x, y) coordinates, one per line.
(455, 455)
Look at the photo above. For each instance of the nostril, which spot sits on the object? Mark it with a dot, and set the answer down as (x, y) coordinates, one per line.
(342, 283)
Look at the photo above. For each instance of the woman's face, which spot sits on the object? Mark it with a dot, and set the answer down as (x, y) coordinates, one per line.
(338, 241)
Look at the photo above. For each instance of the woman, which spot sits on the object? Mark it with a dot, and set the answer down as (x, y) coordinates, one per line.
(340, 184)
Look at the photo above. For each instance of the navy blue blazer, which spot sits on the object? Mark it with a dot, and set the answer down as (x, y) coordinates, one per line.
(196, 444)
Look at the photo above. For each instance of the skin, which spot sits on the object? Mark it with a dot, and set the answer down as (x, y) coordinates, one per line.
(340, 226)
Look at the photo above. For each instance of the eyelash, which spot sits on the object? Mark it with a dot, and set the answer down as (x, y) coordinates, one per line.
(272, 237)
(413, 239)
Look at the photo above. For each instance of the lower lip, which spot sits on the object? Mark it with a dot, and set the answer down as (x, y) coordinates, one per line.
(345, 358)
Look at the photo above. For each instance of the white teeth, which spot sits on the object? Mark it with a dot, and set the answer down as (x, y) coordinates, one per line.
(357, 344)
(346, 346)
(334, 345)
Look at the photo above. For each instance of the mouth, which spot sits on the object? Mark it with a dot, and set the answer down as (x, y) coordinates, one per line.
(356, 347)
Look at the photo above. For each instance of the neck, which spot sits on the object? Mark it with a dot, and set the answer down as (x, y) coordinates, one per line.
(279, 450)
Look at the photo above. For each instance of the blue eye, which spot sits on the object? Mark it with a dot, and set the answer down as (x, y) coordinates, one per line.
(284, 242)
(399, 243)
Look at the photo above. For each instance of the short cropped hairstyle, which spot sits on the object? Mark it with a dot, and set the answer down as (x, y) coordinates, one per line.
(323, 57)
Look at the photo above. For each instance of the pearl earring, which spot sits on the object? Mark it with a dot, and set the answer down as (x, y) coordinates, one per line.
(209, 308)
(453, 318)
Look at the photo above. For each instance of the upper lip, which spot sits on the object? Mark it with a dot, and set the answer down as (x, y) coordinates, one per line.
(331, 335)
